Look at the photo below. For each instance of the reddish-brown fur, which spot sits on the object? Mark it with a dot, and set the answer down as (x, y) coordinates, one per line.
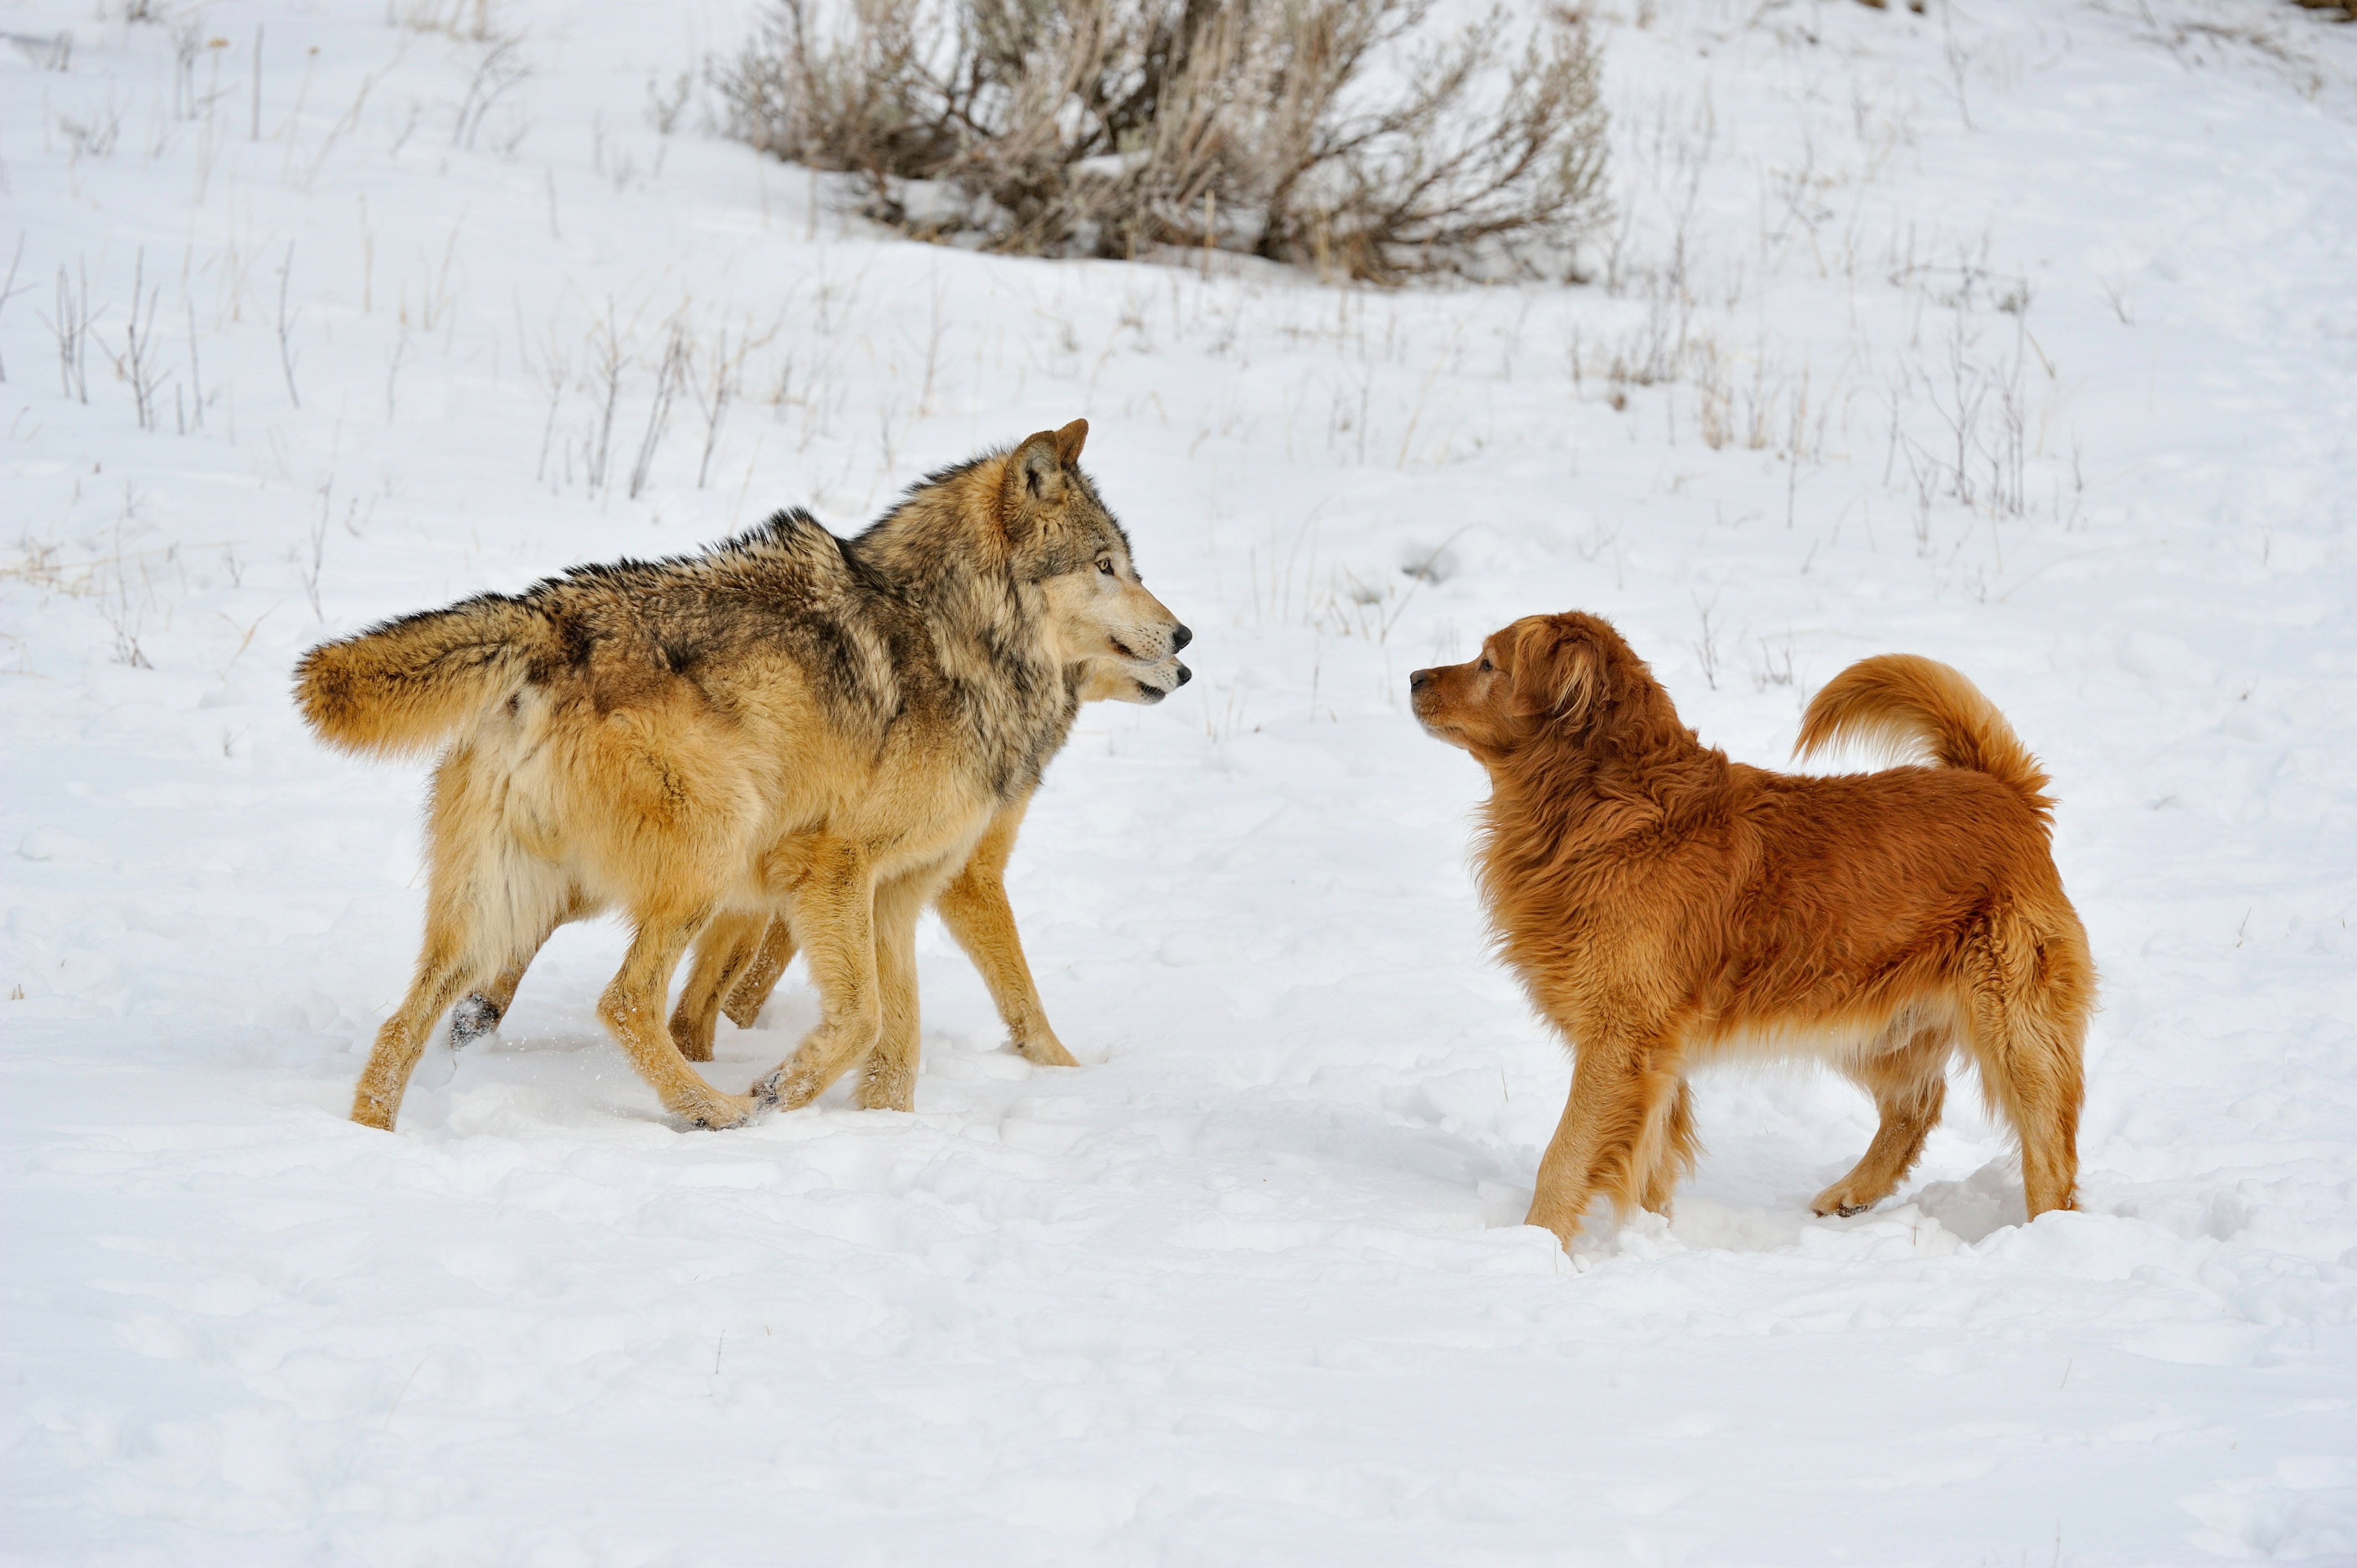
(1663, 906)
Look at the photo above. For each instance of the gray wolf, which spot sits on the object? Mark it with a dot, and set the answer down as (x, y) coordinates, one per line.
(738, 962)
(790, 721)
(1663, 906)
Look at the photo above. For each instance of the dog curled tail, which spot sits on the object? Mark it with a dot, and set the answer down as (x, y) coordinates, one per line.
(402, 688)
(1914, 706)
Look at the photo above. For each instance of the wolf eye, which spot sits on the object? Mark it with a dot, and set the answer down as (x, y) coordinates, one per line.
(1104, 564)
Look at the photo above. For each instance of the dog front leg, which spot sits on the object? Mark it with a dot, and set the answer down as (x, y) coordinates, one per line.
(834, 918)
(975, 908)
(1615, 1135)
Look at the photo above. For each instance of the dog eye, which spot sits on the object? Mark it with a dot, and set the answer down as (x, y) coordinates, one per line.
(1486, 666)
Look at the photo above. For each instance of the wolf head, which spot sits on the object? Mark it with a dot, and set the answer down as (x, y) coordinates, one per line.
(1059, 535)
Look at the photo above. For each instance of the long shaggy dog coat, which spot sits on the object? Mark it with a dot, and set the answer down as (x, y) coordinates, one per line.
(1663, 906)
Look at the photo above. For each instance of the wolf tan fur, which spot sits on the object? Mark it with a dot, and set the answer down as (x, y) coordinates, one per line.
(739, 959)
(790, 721)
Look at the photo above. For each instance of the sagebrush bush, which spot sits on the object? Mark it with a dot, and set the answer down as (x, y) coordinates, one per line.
(1346, 134)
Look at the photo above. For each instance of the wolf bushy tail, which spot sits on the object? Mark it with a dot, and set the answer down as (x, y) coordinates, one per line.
(1915, 706)
(402, 688)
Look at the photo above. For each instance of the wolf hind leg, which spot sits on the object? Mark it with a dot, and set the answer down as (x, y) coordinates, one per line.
(1910, 1087)
(634, 1001)
(760, 977)
(480, 1011)
(443, 970)
(724, 951)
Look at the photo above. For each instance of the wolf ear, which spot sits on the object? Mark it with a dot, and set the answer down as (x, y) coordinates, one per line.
(1069, 439)
(1034, 473)
(1556, 672)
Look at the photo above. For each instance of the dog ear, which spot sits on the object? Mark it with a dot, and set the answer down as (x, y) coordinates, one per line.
(1556, 671)
(1035, 472)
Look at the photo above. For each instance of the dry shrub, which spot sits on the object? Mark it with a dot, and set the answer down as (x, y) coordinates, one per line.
(1342, 133)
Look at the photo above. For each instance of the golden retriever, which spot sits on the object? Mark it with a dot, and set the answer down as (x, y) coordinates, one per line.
(1665, 906)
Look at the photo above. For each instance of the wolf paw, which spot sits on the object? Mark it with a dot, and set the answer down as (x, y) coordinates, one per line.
(718, 1111)
(784, 1089)
(887, 1091)
(471, 1020)
(1043, 1050)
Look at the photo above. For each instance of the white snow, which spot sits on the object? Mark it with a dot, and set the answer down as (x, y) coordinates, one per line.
(1251, 1286)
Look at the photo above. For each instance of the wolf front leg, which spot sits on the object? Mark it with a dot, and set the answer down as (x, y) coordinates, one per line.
(834, 917)
(889, 1079)
(975, 908)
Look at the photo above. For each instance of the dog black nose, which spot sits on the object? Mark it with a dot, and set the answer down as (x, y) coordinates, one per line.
(1417, 681)
(1180, 639)
(1185, 674)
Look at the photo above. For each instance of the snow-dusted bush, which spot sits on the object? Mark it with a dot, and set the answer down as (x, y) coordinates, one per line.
(1354, 135)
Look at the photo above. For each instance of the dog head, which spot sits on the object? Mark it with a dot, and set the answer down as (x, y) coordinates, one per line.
(1061, 536)
(1561, 675)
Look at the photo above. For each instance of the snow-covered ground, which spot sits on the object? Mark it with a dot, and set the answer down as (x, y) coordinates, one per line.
(2022, 335)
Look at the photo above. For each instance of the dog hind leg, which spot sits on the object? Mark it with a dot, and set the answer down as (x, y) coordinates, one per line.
(1674, 1149)
(1910, 1088)
(2027, 1021)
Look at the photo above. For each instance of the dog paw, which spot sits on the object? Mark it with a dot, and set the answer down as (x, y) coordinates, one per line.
(1835, 1203)
(471, 1020)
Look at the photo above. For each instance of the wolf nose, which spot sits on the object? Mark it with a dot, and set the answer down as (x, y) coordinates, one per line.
(1180, 639)
(1185, 674)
